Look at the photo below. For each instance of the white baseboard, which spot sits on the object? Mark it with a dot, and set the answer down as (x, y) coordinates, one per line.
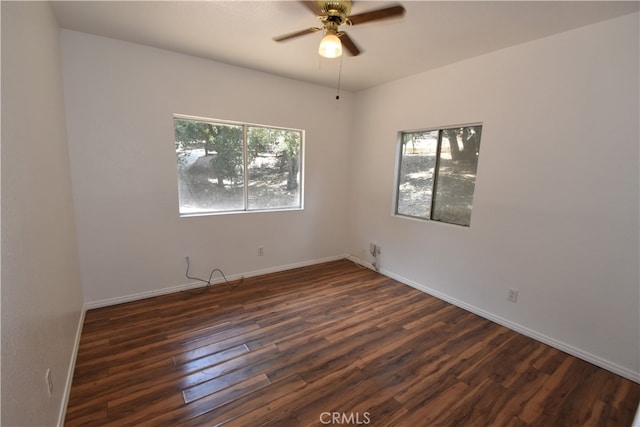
(72, 364)
(567, 348)
(292, 266)
(193, 285)
(636, 419)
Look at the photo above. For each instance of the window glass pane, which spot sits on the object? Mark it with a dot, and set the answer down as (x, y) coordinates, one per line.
(273, 168)
(210, 167)
(456, 177)
(415, 180)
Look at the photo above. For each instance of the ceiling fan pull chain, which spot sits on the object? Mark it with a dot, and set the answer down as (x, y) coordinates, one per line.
(339, 77)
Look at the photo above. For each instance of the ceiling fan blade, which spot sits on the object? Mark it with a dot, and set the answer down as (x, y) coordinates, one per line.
(296, 34)
(375, 15)
(349, 44)
(313, 7)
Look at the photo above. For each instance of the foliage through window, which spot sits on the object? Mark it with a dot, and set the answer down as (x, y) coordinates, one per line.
(227, 167)
(437, 173)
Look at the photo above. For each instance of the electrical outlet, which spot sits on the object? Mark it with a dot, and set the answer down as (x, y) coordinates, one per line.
(512, 296)
(378, 249)
(260, 250)
(49, 381)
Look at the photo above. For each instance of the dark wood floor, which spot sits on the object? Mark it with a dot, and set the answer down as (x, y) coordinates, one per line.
(327, 343)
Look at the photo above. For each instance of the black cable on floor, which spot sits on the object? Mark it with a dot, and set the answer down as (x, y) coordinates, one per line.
(208, 281)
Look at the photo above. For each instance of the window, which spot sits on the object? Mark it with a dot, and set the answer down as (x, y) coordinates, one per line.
(437, 173)
(231, 167)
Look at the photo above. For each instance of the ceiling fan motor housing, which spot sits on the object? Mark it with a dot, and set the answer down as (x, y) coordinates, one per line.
(336, 12)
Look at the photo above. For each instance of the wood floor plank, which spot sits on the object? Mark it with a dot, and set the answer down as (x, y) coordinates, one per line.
(279, 411)
(220, 383)
(528, 384)
(541, 402)
(202, 412)
(437, 401)
(285, 348)
(475, 409)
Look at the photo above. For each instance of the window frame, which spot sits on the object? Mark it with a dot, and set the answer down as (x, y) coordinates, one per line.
(245, 166)
(436, 171)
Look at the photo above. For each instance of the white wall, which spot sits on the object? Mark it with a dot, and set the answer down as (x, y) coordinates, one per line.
(120, 100)
(41, 291)
(555, 210)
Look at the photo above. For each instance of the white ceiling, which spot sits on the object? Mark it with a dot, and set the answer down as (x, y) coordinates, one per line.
(430, 35)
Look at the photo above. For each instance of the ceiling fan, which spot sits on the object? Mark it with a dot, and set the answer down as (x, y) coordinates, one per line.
(333, 14)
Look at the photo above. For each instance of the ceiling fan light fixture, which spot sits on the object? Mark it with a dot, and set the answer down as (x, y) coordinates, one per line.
(330, 46)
